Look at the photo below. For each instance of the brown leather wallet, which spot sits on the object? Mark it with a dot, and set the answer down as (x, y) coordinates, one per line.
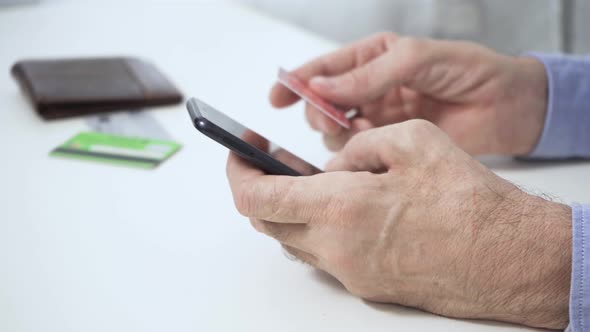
(63, 88)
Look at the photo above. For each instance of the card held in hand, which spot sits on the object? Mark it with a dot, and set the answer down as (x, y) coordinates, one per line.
(301, 89)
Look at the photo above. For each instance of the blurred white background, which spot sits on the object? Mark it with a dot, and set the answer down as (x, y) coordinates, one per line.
(505, 25)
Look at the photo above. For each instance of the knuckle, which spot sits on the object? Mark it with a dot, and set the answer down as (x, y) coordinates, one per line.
(419, 127)
(356, 146)
(278, 196)
(413, 133)
(373, 137)
(410, 45)
(358, 79)
(386, 36)
(244, 200)
(408, 53)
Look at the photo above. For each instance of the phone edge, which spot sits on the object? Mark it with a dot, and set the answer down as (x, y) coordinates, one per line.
(259, 158)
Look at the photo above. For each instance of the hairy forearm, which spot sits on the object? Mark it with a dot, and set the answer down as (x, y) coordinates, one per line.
(538, 266)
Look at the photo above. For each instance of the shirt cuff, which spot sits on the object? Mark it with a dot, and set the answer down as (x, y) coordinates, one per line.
(580, 287)
(566, 133)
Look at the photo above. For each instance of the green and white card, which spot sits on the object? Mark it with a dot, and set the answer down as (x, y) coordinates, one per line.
(115, 149)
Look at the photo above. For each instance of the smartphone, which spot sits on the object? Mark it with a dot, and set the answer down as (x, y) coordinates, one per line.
(262, 153)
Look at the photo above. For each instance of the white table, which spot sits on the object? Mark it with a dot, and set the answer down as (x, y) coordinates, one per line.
(89, 247)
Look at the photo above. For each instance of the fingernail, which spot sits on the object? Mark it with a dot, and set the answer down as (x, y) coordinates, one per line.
(322, 81)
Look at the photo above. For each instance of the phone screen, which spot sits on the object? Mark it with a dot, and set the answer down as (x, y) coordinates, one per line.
(247, 135)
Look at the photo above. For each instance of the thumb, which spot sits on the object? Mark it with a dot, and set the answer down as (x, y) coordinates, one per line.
(367, 151)
(358, 86)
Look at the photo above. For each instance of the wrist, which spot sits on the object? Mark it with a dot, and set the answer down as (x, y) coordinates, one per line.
(540, 292)
(527, 99)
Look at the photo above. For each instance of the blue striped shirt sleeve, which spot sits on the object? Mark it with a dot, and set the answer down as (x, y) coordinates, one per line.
(567, 124)
(567, 135)
(580, 287)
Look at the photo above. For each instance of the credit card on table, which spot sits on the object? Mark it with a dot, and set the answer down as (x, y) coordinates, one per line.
(302, 90)
(118, 150)
(129, 124)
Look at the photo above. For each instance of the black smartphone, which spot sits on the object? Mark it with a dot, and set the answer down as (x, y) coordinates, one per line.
(259, 151)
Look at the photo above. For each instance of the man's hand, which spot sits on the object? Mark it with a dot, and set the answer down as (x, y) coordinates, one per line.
(407, 217)
(486, 102)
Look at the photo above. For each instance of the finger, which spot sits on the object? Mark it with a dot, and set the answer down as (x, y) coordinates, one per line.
(368, 151)
(239, 170)
(336, 142)
(281, 199)
(294, 235)
(406, 62)
(331, 64)
(360, 85)
(322, 123)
